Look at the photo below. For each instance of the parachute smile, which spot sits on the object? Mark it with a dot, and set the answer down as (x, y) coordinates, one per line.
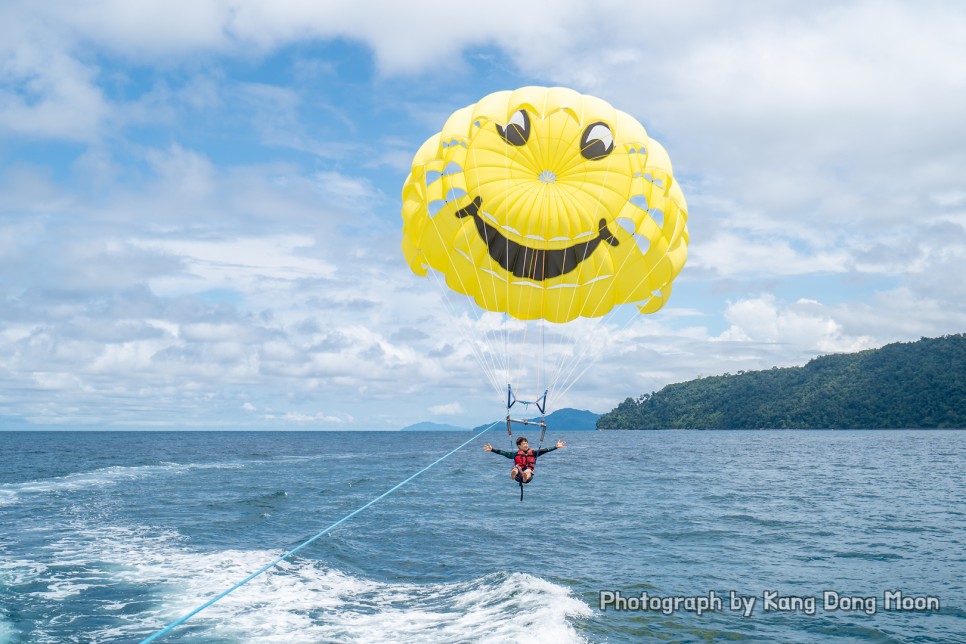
(533, 263)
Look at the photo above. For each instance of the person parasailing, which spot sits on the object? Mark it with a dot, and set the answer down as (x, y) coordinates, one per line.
(524, 459)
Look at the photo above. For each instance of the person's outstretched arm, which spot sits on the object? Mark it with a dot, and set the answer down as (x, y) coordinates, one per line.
(490, 448)
(544, 450)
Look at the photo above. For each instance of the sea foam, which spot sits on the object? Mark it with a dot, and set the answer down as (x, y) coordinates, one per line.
(13, 492)
(303, 600)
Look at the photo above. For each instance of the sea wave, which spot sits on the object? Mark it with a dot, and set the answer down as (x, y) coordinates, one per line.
(303, 600)
(11, 493)
(8, 633)
(311, 601)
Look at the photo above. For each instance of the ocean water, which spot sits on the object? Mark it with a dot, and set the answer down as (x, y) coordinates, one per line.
(108, 537)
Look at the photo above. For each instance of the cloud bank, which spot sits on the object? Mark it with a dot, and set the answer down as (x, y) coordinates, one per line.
(199, 210)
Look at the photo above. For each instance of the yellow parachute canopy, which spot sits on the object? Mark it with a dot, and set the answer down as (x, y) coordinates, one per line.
(545, 203)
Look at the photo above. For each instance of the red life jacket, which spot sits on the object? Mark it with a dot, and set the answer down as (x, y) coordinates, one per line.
(525, 460)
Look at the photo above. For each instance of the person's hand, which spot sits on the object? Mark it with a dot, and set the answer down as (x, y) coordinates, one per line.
(559, 444)
(487, 448)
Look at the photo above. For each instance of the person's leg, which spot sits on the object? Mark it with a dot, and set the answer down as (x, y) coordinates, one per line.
(514, 473)
(527, 475)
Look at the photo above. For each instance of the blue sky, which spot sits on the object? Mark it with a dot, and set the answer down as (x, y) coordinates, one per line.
(199, 201)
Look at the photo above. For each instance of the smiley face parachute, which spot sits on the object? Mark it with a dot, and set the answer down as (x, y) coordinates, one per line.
(545, 204)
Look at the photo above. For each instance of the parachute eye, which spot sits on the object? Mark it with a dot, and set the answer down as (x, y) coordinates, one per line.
(597, 141)
(517, 131)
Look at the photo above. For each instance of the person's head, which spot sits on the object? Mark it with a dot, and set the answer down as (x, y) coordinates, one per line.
(522, 443)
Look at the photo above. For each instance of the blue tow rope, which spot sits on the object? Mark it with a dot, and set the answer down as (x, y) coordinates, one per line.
(167, 629)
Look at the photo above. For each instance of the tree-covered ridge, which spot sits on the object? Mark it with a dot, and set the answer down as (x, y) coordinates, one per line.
(904, 385)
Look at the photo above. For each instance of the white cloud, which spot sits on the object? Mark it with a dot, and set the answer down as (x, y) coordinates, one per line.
(183, 171)
(239, 263)
(804, 325)
(53, 95)
(319, 417)
(448, 409)
(731, 254)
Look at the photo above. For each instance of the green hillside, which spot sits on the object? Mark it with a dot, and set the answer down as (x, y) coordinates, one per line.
(904, 385)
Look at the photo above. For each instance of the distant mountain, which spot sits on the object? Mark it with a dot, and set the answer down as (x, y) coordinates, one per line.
(561, 420)
(903, 385)
(427, 426)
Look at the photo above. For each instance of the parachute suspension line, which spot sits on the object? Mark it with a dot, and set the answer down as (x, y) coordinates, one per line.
(485, 336)
(500, 362)
(540, 354)
(465, 333)
(541, 383)
(511, 399)
(521, 357)
(167, 629)
(566, 382)
(582, 360)
(508, 276)
(589, 345)
(494, 365)
(475, 314)
(506, 345)
(544, 292)
(566, 379)
(587, 363)
(574, 343)
(613, 312)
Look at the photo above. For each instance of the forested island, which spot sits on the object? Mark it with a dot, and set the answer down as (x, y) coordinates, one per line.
(903, 385)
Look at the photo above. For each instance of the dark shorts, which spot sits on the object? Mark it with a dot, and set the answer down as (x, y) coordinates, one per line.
(519, 477)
